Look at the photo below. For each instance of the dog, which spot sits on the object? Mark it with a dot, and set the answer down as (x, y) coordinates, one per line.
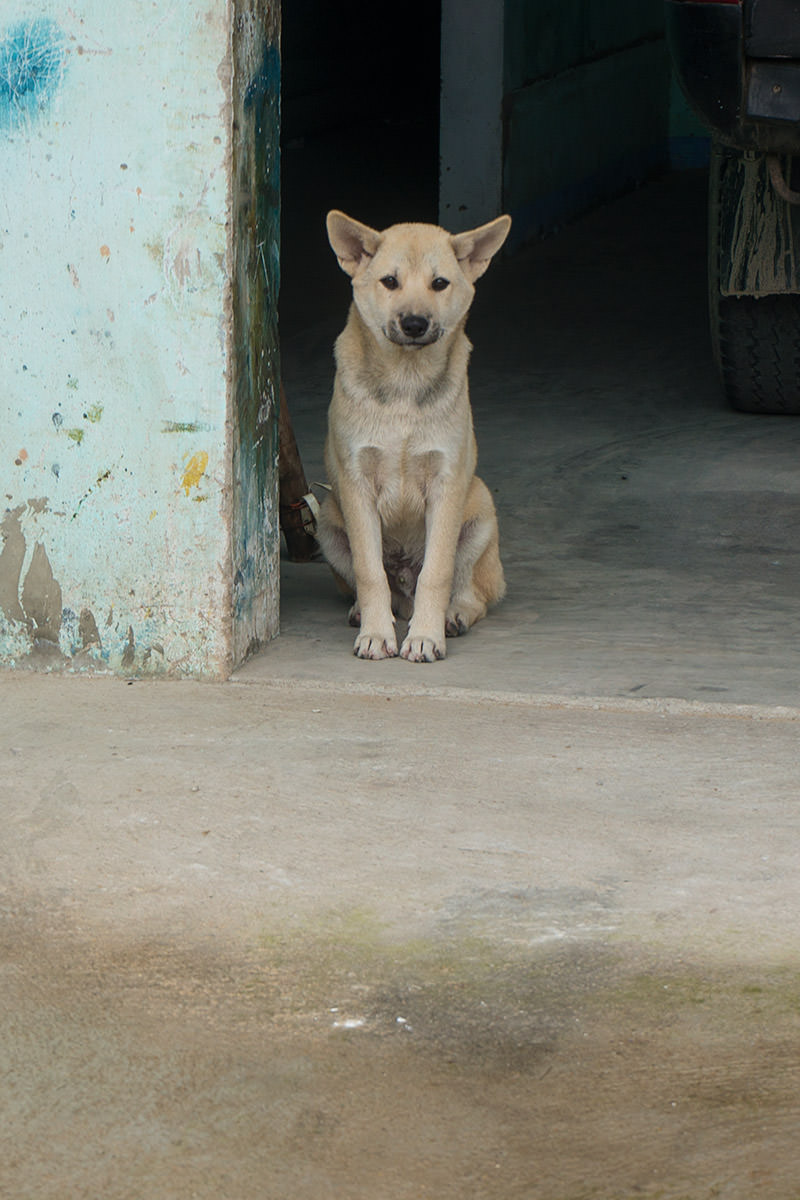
(408, 527)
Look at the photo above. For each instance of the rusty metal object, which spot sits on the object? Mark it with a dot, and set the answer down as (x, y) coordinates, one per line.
(296, 512)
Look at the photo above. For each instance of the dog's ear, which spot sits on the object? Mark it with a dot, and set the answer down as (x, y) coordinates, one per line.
(475, 248)
(351, 241)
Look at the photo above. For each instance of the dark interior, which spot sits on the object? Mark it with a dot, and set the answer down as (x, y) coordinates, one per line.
(360, 125)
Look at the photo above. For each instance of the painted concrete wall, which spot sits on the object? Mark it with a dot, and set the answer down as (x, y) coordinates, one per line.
(138, 259)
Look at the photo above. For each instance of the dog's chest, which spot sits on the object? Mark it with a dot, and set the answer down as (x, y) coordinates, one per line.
(399, 474)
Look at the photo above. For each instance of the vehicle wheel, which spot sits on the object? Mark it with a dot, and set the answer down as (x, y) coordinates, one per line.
(759, 352)
(756, 340)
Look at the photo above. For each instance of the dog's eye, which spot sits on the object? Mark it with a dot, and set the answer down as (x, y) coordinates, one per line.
(390, 282)
(439, 284)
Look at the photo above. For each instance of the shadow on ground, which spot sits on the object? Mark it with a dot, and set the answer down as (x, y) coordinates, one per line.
(330, 1062)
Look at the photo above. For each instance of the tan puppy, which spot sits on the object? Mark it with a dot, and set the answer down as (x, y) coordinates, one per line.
(408, 526)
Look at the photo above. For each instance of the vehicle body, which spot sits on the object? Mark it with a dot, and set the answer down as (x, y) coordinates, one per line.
(738, 62)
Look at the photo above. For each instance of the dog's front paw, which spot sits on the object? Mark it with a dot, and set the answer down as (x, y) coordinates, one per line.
(375, 645)
(418, 648)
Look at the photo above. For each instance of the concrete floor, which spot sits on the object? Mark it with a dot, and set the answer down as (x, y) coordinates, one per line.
(521, 925)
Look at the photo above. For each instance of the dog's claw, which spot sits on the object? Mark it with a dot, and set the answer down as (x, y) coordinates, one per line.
(354, 617)
(422, 649)
(456, 626)
(374, 647)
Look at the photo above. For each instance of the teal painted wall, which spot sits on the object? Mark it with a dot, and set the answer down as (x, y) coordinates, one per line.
(138, 256)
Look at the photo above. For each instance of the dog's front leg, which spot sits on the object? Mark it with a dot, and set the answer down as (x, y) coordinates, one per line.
(376, 637)
(425, 641)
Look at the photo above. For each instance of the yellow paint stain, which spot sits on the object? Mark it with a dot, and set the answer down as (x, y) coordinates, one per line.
(194, 471)
(153, 513)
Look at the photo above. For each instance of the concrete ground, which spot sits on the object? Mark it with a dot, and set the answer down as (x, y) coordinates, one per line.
(521, 925)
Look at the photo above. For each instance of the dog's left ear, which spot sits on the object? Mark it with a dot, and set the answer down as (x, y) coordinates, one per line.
(476, 248)
(350, 241)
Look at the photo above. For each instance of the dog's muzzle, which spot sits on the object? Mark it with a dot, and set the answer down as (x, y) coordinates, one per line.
(412, 329)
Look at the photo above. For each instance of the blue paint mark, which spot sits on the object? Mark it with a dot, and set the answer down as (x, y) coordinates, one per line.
(265, 84)
(31, 69)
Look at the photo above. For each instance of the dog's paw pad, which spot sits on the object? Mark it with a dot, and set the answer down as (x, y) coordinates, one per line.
(354, 616)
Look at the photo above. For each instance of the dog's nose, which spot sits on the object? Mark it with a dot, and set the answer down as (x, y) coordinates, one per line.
(414, 326)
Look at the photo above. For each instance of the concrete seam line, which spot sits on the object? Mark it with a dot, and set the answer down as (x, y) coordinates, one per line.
(667, 706)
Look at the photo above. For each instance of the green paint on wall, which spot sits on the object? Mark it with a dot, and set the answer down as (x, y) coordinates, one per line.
(186, 427)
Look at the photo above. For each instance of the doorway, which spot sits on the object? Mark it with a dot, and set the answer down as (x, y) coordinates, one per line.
(359, 131)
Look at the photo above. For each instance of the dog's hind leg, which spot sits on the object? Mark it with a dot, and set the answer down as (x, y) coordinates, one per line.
(335, 545)
(478, 579)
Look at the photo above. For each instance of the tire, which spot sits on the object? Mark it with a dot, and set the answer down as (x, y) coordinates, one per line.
(759, 352)
(756, 340)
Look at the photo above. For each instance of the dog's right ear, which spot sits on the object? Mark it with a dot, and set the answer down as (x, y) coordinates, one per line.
(351, 241)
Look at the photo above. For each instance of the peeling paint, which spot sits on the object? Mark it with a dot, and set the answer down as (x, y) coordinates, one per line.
(41, 597)
(89, 633)
(12, 557)
(129, 653)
